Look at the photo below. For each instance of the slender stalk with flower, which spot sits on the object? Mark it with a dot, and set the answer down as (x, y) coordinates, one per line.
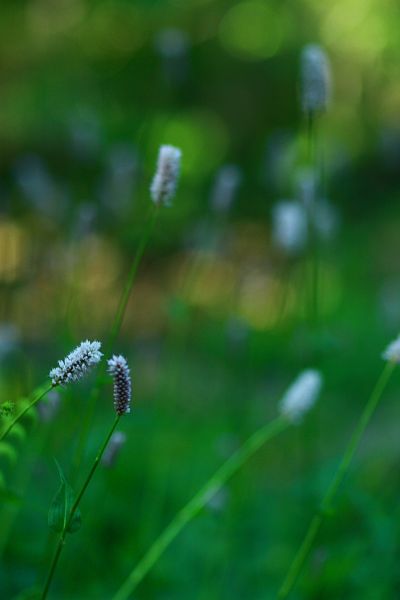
(162, 191)
(72, 368)
(296, 402)
(315, 100)
(118, 368)
(392, 355)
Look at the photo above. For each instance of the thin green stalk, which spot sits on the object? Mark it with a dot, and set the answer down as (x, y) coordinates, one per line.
(119, 316)
(39, 393)
(312, 130)
(114, 332)
(325, 507)
(74, 508)
(193, 507)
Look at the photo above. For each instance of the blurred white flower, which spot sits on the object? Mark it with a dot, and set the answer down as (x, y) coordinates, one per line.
(225, 188)
(117, 185)
(164, 184)
(326, 219)
(85, 133)
(315, 79)
(301, 395)
(306, 187)
(9, 339)
(173, 45)
(289, 226)
(38, 186)
(218, 500)
(392, 352)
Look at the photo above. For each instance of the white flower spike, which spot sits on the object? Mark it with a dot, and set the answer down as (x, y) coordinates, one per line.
(289, 226)
(165, 180)
(118, 368)
(392, 352)
(77, 363)
(315, 79)
(301, 395)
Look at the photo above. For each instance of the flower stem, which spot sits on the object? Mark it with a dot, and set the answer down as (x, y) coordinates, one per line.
(119, 315)
(325, 507)
(38, 394)
(74, 508)
(114, 332)
(193, 507)
(312, 131)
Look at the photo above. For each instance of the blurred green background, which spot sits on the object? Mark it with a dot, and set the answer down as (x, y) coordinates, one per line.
(216, 327)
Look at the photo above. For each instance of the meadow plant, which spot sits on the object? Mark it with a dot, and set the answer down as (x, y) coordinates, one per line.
(162, 191)
(226, 185)
(76, 364)
(73, 368)
(392, 356)
(163, 186)
(289, 226)
(297, 401)
(64, 511)
(301, 396)
(316, 82)
(316, 86)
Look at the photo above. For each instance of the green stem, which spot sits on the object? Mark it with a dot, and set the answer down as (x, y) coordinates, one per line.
(193, 507)
(114, 332)
(325, 507)
(312, 131)
(74, 508)
(40, 393)
(119, 316)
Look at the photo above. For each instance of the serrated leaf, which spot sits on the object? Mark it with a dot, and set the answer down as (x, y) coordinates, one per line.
(60, 508)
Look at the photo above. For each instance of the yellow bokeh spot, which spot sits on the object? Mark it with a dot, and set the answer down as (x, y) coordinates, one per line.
(13, 251)
(355, 28)
(252, 30)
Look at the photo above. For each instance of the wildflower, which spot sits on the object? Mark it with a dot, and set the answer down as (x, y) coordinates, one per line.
(289, 223)
(301, 395)
(306, 188)
(115, 444)
(165, 180)
(172, 43)
(225, 187)
(118, 368)
(392, 352)
(76, 364)
(315, 79)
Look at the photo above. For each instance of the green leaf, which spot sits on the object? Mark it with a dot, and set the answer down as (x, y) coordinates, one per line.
(61, 506)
